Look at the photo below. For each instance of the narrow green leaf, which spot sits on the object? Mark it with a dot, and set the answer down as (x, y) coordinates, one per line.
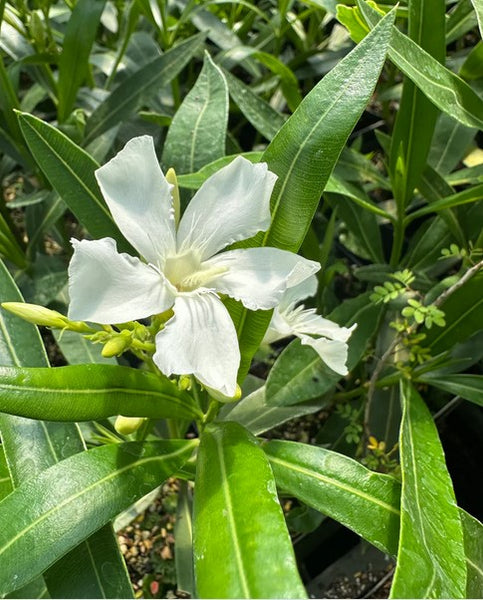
(363, 225)
(125, 99)
(9, 246)
(431, 556)
(241, 544)
(193, 181)
(91, 392)
(473, 194)
(340, 487)
(70, 170)
(478, 6)
(197, 133)
(469, 387)
(73, 575)
(298, 375)
(32, 446)
(461, 19)
(183, 536)
(337, 185)
(303, 154)
(463, 314)
(257, 416)
(443, 87)
(5, 481)
(44, 511)
(259, 113)
(473, 532)
(416, 117)
(450, 144)
(79, 351)
(74, 58)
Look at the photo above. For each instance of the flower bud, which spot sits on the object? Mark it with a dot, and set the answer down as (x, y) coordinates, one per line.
(127, 425)
(116, 345)
(38, 315)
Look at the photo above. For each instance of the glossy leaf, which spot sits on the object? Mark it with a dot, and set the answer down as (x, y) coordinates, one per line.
(259, 113)
(431, 557)
(32, 446)
(44, 511)
(472, 194)
(70, 170)
(303, 154)
(473, 532)
(463, 314)
(124, 100)
(298, 375)
(197, 133)
(416, 117)
(478, 6)
(257, 416)
(193, 181)
(443, 87)
(450, 143)
(73, 61)
(238, 522)
(9, 246)
(363, 225)
(5, 482)
(91, 392)
(183, 536)
(340, 487)
(469, 387)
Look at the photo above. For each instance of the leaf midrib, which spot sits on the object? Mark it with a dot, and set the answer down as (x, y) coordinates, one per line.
(86, 490)
(334, 482)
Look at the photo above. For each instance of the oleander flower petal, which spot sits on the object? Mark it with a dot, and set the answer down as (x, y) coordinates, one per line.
(201, 340)
(108, 287)
(258, 277)
(232, 205)
(327, 338)
(332, 352)
(139, 198)
(181, 270)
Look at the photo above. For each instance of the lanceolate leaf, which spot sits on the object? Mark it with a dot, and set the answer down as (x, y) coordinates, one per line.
(91, 392)
(464, 315)
(341, 488)
(32, 446)
(97, 484)
(304, 152)
(478, 6)
(469, 387)
(257, 416)
(70, 170)
(416, 117)
(124, 100)
(431, 555)
(260, 114)
(473, 532)
(73, 61)
(443, 87)
(241, 544)
(197, 133)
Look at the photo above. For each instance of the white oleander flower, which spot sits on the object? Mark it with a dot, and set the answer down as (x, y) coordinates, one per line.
(326, 337)
(182, 267)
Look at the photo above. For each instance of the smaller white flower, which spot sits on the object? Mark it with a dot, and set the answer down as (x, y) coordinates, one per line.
(182, 266)
(326, 337)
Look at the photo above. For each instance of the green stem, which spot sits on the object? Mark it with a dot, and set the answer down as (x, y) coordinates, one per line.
(398, 241)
